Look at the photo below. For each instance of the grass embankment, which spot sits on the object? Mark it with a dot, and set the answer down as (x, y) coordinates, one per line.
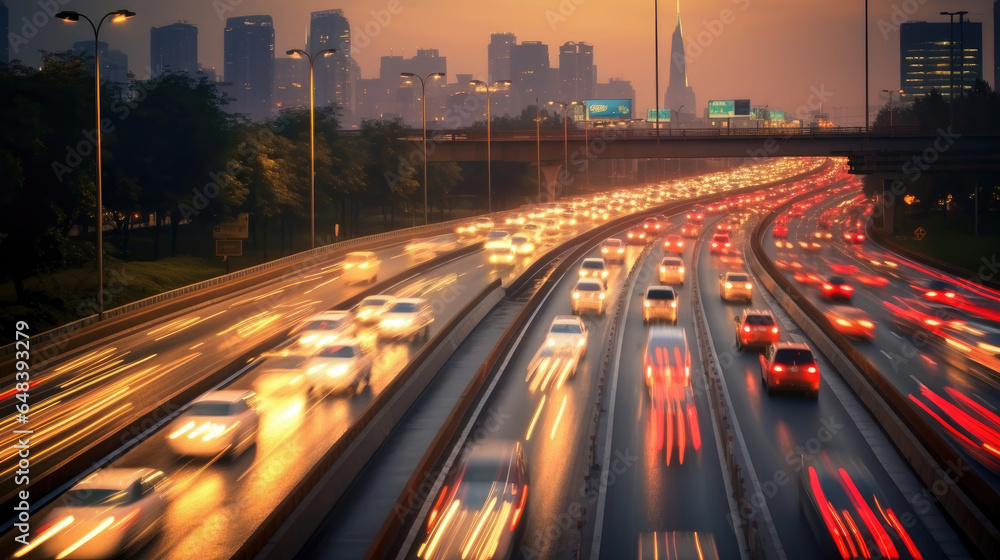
(952, 239)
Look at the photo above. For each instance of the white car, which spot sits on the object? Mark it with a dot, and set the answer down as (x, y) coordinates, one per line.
(408, 317)
(339, 368)
(735, 286)
(432, 245)
(594, 268)
(568, 330)
(113, 512)
(361, 266)
(223, 422)
(588, 294)
(671, 270)
(370, 309)
(322, 330)
(522, 245)
(497, 239)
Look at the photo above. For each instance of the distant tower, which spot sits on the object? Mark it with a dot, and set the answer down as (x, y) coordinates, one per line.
(499, 56)
(329, 29)
(173, 48)
(576, 71)
(249, 64)
(679, 93)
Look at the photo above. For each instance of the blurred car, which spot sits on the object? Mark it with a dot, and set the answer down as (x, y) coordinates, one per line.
(821, 235)
(497, 238)
(836, 287)
(691, 230)
(323, 329)
(826, 220)
(659, 302)
(432, 245)
(515, 219)
(807, 276)
(407, 318)
(735, 286)
(112, 513)
(756, 327)
(671, 270)
(666, 358)
(720, 244)
(594, 268)
(941, 292)
(696, 214)
(343, 367)
(677, 545)
(613, 250)
(638, 235)
(521, 245)
(218, 422)
(370, 310)
(361, 266)
(851, 321)
(480, 509)
(674, 244)
(652, 225)
(532, 230)
(789, 365)
(848, 510)
(588, 295)
(716, 208)
(724, 226)
(854, 236)
(501, 256)
(568, 330)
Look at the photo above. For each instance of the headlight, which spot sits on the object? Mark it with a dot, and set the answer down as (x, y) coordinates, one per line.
(747, 285)
(681, 270)
(646, 303)
(600, 296)
(673, 304)
(729, 285)
(866, 324)
(337, 370)
(576, 295)
(583, 272)
(663, 269)
(551, 341)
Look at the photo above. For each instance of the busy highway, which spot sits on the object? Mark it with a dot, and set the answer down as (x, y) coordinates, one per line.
(664, 473)
(219, 495)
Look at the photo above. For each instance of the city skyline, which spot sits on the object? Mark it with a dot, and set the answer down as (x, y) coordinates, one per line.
(729, 53)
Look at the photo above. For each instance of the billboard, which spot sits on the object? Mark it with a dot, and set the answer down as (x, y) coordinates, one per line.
(777, 116)
(609, 109)
(651, 115)
(721, 109)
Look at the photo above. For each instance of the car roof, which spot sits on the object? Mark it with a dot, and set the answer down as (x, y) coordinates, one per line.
(748, 312)
(658, 287)
(594, 260)
(115, 478)
(493, 450)
(661, 334)
(672, 260)
(364, 254)
(613, 240)
(567, 319)
(386, 297)
(735, 272)
(589, 281)
(786, 345)
(224, 395)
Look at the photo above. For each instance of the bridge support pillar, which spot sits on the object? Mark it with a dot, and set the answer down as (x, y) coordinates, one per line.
(555, 182)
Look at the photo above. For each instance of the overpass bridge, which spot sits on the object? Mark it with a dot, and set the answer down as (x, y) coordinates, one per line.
(899, 151)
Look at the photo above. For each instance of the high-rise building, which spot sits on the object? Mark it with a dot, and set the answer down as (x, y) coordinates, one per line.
(173, 48)
(291, 83)
(996, 45)
(249, 64)
(330, 29)
(5, 29)
(577, 74)
(680, 96)
(931, 57)
(530, 73)
(499, 56)
(114, 63)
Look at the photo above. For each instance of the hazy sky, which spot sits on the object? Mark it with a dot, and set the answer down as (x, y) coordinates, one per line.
(783, 53)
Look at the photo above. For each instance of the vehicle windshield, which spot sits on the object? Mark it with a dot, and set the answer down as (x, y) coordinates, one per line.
(593, 264)
(660, 294)
(566, 328)
(793, 357)
(97, 497)
(836, 280)
(209, 408)
(403, 307)
(588, 287)
(759, 320)
(672, 262)
(338, 352)
(497, 235)
(374, 302)
(519, 240)
(737, 278)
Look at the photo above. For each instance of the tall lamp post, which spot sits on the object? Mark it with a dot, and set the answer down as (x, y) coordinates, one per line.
(116, 17)
(423, 118)
(538, 148)
(890, 92)
(489, 126)
(299, 53)
(867, 110)
(563, 105)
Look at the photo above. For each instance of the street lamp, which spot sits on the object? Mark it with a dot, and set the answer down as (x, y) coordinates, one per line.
(299, 53)
(538, 147)
(117, 17)
(423, 99)
(867, 110)
(565, 105)
(890, 92)
(489, 120)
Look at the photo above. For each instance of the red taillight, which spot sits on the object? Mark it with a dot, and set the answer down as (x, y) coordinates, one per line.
(437, 508)
(777, 369)
(949, 294)
(931, 294)
(847, 288)
(520, 509)
(811, 369)
(827, 287)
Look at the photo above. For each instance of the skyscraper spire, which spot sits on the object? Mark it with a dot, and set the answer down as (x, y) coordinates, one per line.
(679, 93)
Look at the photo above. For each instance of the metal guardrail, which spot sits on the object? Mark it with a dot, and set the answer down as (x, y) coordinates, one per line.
(970, 502)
